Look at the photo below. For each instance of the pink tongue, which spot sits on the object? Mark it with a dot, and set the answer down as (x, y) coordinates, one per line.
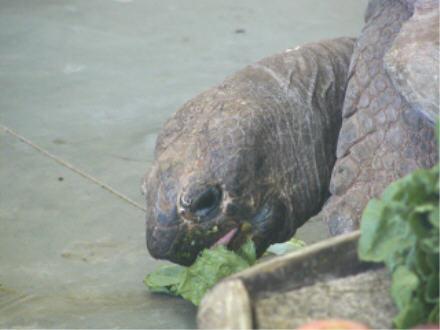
(225, 239)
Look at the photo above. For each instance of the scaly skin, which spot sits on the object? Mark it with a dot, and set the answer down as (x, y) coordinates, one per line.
(382, 138)
(254, 153)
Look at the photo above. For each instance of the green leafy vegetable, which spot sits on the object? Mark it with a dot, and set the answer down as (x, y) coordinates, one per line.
(210, 267)
(402, 230)
(281, 248)
(166, 279)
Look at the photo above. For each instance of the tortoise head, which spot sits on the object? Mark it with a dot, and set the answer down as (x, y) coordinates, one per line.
(212, 181)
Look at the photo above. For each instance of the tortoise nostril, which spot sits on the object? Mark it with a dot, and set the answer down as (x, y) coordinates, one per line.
(206, 202)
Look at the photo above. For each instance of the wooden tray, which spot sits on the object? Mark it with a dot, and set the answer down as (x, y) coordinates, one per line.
(321, 281)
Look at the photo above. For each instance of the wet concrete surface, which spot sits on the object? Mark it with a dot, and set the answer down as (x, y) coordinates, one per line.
(92, 82)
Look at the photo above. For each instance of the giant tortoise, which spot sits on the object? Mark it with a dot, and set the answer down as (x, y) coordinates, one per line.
(321, 127)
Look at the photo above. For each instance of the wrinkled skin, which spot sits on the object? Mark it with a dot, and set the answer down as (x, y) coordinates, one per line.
(256, 153)
(253, 154)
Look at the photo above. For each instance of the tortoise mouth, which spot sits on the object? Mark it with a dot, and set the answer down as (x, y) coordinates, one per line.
(224, 240)
(261, 228)
(181, 242)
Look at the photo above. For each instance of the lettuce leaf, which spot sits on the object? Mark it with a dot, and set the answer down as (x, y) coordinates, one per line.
(166, 279)
(282, 248)
(402, 230)
(210, 267)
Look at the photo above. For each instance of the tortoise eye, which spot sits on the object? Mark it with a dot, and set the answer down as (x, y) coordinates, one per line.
(206, 201)
(198, 203)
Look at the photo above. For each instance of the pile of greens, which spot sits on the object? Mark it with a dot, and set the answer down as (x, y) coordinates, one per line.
(210, 267)
(402, 230)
